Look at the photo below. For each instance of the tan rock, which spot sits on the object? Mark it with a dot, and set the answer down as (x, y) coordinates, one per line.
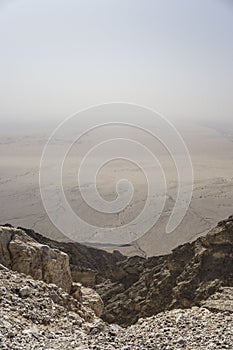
(25, 291)
(87, 277)
(92, 299)
(21, 253)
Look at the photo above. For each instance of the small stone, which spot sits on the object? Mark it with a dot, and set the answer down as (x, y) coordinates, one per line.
(25, 291)
(181, 341)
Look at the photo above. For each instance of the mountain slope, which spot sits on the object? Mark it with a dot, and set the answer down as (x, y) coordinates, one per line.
(141, 287)
(190, 274)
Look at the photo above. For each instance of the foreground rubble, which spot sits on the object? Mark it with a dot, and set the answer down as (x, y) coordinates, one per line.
(183, 300)
(38, 316)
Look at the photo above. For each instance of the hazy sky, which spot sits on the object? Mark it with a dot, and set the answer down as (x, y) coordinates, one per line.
(58, 56)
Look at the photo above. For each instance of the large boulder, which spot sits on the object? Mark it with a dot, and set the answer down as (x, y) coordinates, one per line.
(21, 253)
(92, 300)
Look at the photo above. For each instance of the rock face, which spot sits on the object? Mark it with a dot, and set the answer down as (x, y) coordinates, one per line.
(89, 266)
(21, 253)
(187, 276)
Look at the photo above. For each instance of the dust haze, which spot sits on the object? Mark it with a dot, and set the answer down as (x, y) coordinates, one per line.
(171, 56)
(211, 148)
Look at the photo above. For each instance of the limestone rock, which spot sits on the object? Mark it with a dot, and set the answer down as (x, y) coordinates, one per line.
(92, 300)
(21, 253)
(25, 291)
(88, 265)
(87, 276)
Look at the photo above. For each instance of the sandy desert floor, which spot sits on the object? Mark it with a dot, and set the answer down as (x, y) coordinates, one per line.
(211, 150)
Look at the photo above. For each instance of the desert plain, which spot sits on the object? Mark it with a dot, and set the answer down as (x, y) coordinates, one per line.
(211, 150)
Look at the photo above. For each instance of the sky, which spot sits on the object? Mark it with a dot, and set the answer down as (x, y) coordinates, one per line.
(58, 56)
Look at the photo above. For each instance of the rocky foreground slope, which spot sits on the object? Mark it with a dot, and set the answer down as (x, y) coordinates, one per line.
(187, 295)
(40, 316)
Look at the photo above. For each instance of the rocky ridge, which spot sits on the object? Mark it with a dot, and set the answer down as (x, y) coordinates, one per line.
(88, 265)
(182, 279)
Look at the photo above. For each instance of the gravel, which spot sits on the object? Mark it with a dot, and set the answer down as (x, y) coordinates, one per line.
(31, 318)
(196, 328)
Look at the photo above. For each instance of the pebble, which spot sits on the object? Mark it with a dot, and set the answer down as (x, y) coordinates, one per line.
(25, 291)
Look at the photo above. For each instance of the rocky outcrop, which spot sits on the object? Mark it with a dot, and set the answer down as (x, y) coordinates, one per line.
(88, 297)
(186, 277)
(21, 253)
(88, 265)
(92, 299)
(130, 288)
